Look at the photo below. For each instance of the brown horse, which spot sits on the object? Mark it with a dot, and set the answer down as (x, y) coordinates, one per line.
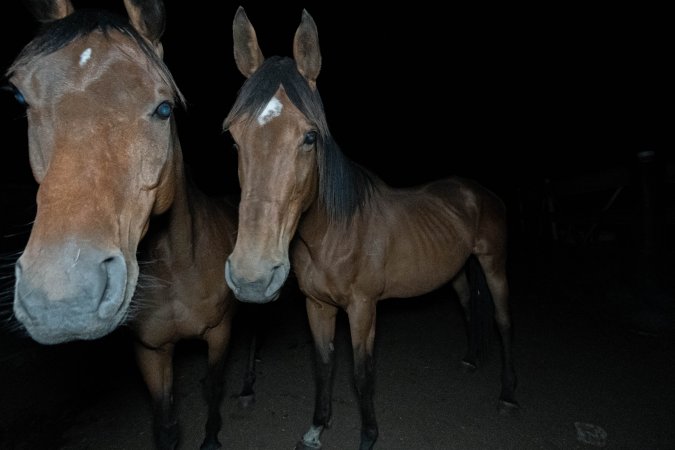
(353, 240)
(104, 149)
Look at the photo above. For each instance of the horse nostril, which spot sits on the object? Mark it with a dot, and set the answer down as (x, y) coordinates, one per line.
(18, 270)
(279, 275)
(228, 277)
(115, 273)
(20, 310)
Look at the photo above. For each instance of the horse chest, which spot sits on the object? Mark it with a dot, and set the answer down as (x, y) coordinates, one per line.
(179, 315)
(336, 277)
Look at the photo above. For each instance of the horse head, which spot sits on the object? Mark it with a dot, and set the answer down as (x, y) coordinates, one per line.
(278, 125)
(103, 149)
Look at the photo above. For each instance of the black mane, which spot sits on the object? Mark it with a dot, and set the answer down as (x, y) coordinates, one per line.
(55, 35)
(344, 186)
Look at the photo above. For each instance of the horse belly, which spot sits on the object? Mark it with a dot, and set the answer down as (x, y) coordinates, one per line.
(410, 277)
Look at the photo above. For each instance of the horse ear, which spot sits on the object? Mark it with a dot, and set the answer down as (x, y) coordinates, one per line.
(148, 17)
(49, 10)
(247, 53)
(306, 49)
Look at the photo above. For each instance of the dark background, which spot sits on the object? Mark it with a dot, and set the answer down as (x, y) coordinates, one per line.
(506, 95)
(511, 96)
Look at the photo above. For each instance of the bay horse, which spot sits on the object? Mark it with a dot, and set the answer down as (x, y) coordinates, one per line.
(352, 239)
(122, 236)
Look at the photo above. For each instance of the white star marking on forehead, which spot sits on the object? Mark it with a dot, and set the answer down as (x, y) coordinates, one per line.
(84, 57)
(272, 110)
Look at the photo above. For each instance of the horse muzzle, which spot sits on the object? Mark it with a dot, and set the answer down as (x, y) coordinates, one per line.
(264, 287)
(70, 293)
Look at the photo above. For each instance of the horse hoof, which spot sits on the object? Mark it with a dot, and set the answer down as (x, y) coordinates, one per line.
(211, 446)
(302, 445)
(246, 400)
(508, 408)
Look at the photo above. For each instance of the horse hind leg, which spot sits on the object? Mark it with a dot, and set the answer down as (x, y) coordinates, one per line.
(507, 400)
(218, 339)
(157, 371)
(495, 276)
(461, 286)
(474, 296)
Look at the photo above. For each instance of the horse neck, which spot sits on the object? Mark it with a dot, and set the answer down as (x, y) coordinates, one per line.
(178, 236)
(315, 225)
(313, 222)
(368, 188)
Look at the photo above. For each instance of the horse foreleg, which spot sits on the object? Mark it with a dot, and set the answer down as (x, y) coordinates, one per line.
(362, 316)
(218, 339)
(156, 368)
(322, 318)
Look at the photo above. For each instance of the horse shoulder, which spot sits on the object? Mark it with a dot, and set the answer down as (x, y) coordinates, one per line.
(331, 265)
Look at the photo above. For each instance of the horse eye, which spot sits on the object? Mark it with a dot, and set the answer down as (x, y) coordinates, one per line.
(18, 96)
(164, 110)
(310, 138)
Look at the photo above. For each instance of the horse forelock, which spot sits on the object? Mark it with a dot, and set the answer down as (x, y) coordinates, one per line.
(56, 35)
(343, 186)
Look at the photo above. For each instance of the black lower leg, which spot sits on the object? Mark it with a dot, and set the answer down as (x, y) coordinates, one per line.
(364, 378)
(165, 425)
(247, 394)
(213, 392)
(324, 389)
(509, 380)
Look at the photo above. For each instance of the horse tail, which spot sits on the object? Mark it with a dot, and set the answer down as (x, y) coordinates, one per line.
(481, 308)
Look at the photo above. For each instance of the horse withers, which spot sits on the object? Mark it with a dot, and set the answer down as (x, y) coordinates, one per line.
(121, 235)
(351, 239)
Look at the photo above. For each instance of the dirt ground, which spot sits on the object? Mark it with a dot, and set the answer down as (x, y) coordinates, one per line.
(593, 352)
